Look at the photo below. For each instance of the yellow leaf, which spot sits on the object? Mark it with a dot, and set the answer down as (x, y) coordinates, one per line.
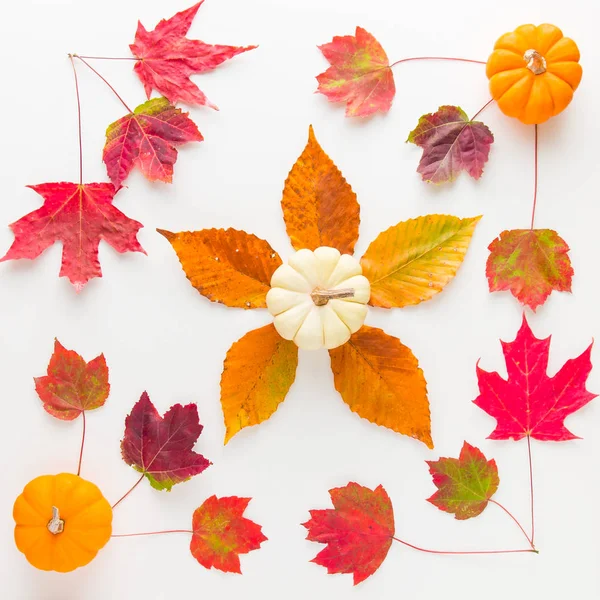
(379, 379)
(415, 259)
(228, 266)
(258, 372)
(319, 206)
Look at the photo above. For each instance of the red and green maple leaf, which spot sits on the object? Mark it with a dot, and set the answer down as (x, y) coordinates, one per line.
(147, 139)
(162, 447)
(529, 403)
(167, 58)
(221, 533)
(358, 531)
(451, 143)
(465, 484)
(79, 216)
(359, 75)
(530, 263)
(72, 385)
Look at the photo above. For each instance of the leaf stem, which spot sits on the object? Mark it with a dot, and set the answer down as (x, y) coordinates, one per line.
(105, 81)
(403, 60)
(128, 492)
(82, 443)
(531, 482)
(529, 540)
(462, 552)
(535, 182)
(481, 109)
(78, 121)
(107, 57)
(121, 535)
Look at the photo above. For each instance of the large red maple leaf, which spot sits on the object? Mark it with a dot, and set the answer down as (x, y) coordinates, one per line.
(358, 530)
(79, 216)
(167, 58)
(162, 447)
(529, 403)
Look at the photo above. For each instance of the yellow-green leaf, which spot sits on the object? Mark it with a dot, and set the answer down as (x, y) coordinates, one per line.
(415, 259)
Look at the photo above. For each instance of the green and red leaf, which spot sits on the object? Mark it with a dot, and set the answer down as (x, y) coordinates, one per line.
(359, 75)
(72, 385)
(530, 263)
(162, 447)
(465, 484)
(147, 139)
(451, 143)
(221, 533)
(358, 530)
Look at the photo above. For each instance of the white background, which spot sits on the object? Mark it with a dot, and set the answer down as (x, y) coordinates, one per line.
(158, 334)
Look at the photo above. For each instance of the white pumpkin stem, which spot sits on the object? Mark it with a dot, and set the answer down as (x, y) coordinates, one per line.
(322, 297)
(56, 525)
(536, 63)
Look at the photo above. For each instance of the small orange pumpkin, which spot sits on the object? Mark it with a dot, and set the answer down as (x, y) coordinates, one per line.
(533, 72)
(61, 522)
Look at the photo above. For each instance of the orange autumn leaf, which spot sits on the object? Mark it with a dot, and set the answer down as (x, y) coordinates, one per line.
(414, 260)
(319, 206)
(380, 380)
(258, 372)
(226, 265)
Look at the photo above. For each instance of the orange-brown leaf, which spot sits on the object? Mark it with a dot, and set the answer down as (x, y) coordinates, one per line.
(319, 206)
(226, 265)
(379, 379)
(258, 372)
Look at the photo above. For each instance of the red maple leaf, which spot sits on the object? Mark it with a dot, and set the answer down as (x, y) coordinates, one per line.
(167, 58)
(161, 447)
(465, 484)
(221, 533)
(79, 216)
(72, 385)
(359, 75)
(147, 138)
(358, 531)
(451, 143)
(529, 403)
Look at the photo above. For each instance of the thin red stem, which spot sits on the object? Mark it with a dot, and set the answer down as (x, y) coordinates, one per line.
(531, 486)
(468, 60)
(481, 109)
(107, 57)
(82, 443)
(105, 81)
(128, 492)
(78, 120)
(152, 533)
(462, 552)
(515, 520)
(535, 181)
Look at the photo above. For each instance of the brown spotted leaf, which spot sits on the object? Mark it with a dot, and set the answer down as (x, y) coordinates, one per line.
(226, 265)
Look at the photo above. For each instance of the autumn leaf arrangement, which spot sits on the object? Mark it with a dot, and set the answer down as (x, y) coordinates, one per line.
(81, 214)
(533, 73)
(160, 448)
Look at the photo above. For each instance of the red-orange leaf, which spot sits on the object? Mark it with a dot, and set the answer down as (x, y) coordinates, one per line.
(319, 206)
(167, 58)
(222, 533)
(359, 74)
(358, 530)
(72, 385)
(79, 216)
(147, 138)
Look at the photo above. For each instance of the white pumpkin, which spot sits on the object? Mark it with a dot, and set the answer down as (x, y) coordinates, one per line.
(319, 298)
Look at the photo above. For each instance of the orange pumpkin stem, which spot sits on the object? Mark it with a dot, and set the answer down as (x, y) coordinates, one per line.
(322, 297)
(56, 525)
(536, 63)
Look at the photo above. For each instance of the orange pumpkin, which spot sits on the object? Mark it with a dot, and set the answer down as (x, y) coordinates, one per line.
(533, 72)
(61, 522)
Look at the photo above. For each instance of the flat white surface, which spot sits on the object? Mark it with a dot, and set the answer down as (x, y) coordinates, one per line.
(160, 335)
